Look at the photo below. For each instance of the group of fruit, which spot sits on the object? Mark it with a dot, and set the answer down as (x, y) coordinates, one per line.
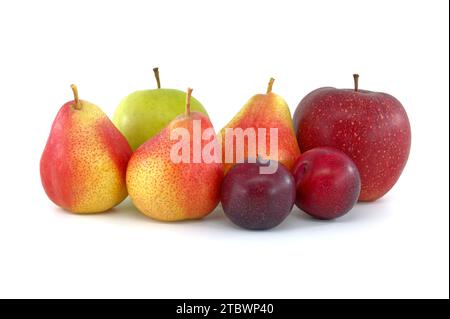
(343, 145)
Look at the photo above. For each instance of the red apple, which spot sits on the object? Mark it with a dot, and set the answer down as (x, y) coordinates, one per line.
(372, 128)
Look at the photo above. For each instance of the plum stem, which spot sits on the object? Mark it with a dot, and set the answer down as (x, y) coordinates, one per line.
(269, 86)
(355, 80)
(77, 105)
(188, 101)
(158, 82)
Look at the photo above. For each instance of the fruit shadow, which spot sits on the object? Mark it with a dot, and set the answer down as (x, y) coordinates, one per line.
(215, 221)
(368, 211)
(362, 211)
(127, 211)
(296, 221)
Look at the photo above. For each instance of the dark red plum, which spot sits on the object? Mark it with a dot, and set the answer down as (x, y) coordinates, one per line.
(254, 200)
(327, 182)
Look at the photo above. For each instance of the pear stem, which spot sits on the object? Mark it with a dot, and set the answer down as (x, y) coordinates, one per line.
(158, 82)
(269, 87)
(77, 105)
(188, 101)
(355, 80)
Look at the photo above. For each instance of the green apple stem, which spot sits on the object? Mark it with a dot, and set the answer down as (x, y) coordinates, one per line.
(158, 82)
(355, 80)
(269, 87)
(75, 97)
(188, 101)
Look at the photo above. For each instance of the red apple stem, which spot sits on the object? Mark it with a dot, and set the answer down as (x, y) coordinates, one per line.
(75, 97)
(158, 82)
(269, 87)
(355, 80)
(188, 101)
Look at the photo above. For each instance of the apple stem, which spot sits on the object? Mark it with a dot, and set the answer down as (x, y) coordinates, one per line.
(75, 97)
(158, 82)
(355, 80)
(269, 87)
(188, 101)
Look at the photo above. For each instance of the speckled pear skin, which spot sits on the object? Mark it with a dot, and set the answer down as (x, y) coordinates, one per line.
(168, 191)
(83, 166)
(266, 111)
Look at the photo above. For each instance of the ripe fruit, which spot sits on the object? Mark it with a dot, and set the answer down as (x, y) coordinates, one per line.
(84, 162)
(257, 201)
(143, 114)
(257, 117)
(327, 183)
(370, 127)
(167, 190)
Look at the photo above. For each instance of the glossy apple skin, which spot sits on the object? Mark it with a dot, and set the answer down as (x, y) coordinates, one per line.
(372, 128)
(257, 201)
(327, 183)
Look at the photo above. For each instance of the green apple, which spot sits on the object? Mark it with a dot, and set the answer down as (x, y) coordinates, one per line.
(144, 113)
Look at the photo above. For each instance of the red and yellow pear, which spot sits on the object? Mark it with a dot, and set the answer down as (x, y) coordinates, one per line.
(165, 186)
(257, 118)
(84, 162)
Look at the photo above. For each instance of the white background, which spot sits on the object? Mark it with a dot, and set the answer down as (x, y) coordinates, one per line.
(395, 247)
